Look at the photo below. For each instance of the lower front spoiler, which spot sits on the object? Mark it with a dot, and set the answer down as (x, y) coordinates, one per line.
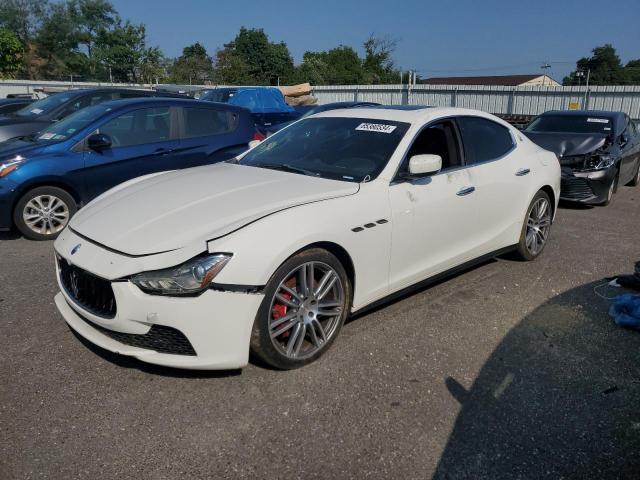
(590, 188)
(220, 353)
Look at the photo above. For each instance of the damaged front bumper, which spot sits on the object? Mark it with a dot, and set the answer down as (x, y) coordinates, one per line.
(589, 187)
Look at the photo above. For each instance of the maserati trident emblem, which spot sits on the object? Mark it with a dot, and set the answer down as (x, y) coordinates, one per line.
(75, 249)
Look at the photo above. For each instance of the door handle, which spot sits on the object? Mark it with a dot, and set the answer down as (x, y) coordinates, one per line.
(522, 172)
(465, 191)
(162, 151)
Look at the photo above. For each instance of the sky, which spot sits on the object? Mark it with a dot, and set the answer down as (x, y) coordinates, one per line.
(434, 38)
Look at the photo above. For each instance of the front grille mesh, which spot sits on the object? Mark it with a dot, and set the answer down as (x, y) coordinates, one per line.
(575, 188)
(160, 338)
(92, 293)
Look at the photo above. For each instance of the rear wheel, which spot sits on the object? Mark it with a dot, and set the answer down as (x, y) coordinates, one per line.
(43, 212)
(305, 304)
(536, 228)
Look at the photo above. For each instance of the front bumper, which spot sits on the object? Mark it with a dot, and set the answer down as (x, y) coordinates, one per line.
(216, 324)
(7, 199)
(586, 187)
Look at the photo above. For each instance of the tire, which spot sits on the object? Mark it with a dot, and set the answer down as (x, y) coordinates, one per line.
(613, 188)
(535, 228)
(34, 216)
(636, 180)
(313, 320)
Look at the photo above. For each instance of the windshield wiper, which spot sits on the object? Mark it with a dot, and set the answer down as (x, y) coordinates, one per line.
(283, 167)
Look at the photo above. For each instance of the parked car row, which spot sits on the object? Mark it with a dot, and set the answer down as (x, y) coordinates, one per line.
(269, 249)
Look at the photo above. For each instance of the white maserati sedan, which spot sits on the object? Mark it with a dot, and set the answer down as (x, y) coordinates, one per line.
(270, 252)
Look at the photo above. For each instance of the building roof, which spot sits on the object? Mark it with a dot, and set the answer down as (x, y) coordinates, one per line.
(505, 80)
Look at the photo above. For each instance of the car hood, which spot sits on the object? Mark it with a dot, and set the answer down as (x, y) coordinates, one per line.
(568, 144)
(172, 210)
(11, 148)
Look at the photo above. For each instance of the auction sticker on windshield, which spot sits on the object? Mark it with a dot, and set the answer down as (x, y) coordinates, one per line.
(376, 127)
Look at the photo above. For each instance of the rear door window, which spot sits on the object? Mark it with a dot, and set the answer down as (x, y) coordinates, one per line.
(203, 122)
(87, 101)
(147, 125)
(484, 139)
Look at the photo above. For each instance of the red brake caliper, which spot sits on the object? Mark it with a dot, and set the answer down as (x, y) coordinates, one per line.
(279, 310)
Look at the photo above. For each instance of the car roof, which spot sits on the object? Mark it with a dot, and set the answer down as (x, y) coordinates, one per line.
(407, 113)
(123, 103)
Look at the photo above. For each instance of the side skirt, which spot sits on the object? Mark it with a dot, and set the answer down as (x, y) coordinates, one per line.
(432, 280)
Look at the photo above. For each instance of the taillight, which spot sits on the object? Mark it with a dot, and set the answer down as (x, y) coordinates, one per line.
(259, 136)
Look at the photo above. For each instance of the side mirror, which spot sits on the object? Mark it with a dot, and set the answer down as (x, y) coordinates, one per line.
(254, 143)
(624, 139)
(99, 141)
(425, 164)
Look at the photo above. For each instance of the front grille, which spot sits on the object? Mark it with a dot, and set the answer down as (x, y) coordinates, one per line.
(160, 338)
(94, 294)
(575, 188)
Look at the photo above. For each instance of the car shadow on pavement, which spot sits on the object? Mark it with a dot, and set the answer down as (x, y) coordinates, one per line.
(558, 398)
(133, 363)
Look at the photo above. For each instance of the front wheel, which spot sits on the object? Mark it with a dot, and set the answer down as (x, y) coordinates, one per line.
(43, 212)
(306, 302)
(536, 228)
(636, 179)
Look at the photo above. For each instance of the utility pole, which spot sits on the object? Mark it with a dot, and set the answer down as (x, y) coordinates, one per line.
(586, 91)
(110, 76)
(545, 67)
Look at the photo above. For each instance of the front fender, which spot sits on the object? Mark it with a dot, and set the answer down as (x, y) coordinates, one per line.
(261, 247)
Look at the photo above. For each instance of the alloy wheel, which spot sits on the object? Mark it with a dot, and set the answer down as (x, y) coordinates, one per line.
(538, 226)
(306, 309)
(46, 214)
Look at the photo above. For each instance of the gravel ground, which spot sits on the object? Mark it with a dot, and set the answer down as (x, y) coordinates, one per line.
(509, 370)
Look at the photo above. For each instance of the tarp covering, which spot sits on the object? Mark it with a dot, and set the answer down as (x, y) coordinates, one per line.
(261, 100)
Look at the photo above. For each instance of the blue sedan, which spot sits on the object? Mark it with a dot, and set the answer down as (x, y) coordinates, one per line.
(46, 177)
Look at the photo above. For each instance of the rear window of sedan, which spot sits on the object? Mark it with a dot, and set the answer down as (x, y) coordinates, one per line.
(348, 149)
(570, 124)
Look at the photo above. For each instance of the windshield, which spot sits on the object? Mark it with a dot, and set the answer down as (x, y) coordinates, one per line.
(221, 95)
(73, 123)
(570, 124)
(349, 149)
(45, 105)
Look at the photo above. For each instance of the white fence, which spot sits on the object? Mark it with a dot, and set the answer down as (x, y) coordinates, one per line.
(493, 99)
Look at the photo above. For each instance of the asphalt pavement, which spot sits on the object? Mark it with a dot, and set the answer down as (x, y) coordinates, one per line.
(508, 370)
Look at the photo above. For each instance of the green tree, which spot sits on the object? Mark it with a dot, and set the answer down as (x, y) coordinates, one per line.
(120, 50)
(193, 66)
(604, 66)
(11, 51)
(344, 66)
(632, 70)
(378, 61)
(313, 69)
(153, 66)
(56, 44)
(230, 69)
(252, 54)
(90, 18)
(23, 18)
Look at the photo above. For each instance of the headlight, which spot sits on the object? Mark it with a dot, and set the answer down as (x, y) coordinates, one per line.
(190, 278)
(599, 162)
(9, 166)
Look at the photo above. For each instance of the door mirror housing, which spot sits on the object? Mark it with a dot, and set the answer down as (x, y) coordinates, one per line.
(427, 164)
(99, 141)
(624, 139)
